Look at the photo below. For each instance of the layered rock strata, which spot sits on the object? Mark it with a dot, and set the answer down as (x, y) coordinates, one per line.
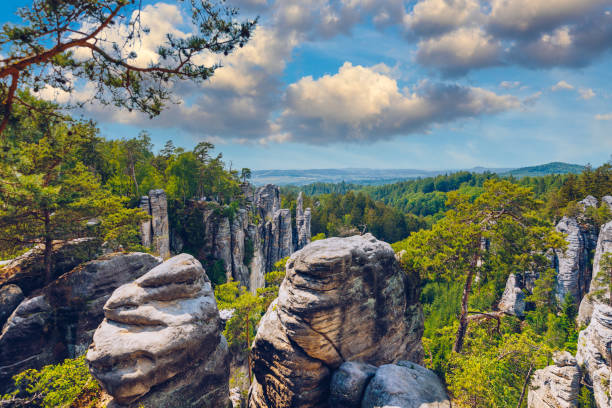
(302, 222)
(513, 298)
(342, 299)
(171, 353)
(557, 385)
(59, 322)
(155, 233)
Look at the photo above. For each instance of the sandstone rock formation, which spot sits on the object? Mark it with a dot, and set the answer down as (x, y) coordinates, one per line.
(589, 201)
(348, 384)
(405, 385)
(60, 321)
(513, 299)
(557, 385)
(607, 200)
(10, 297)
(342, 299)
(302, 222)
(28, 271)
(604, 245)
(155, 233)
(594, 353)
(573, 270)
(171, 352)
(267, 201)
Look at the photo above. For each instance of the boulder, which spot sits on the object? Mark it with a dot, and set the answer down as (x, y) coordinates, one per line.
(513, 299)
(597, 292)
(171, 352)
(60, 321)
(557, 385)
(589, 201)
(28, 271)
(10, 297)
(405, 385)
(594, 353)
(342, 299)
(348, 384)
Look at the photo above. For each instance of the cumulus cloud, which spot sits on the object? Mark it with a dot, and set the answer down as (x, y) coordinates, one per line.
(586, 93)
(359, 104)
(562, 85)
(460, 51)
(430, 17)
(509, 84)
(605, 116)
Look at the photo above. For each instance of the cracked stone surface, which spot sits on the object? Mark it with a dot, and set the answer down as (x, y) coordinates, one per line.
(342, 299)
(556, 386)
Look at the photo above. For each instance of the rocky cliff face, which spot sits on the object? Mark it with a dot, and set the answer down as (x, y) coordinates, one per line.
(155, 233)
(557, 385)
(59, 322)
(302, 222)
(594, 353)
(513, 299)
(342, 299)
(171, 352)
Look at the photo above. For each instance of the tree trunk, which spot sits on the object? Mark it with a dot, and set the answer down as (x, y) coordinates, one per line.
(520, 402)
(48, 250)
(248, 349)
(463, 317)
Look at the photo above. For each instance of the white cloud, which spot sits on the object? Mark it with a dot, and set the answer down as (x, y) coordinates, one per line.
(359, 104)
(562, 85)
(605, 116)
(586, 93)
(509, 84)
(440, 16)
(459, 51)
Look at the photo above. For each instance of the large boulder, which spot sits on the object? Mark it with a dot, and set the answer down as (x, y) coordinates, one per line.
(10, 297)
(60, 321)
(348, 384)
(28, 270)
(597, 290)
(405, 385)
(342, 299)
(594, 353)
(171, 352)
(557, 385)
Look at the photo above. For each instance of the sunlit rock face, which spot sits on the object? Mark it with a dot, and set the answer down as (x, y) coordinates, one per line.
(557, 385)
(160, 343)
(594, 353)
(155, 233)
(343, 299)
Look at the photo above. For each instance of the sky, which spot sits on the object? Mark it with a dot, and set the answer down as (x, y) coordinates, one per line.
(428, 84)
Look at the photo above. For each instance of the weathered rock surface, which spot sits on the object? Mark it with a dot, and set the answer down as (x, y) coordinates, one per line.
(348, 384)
(302, 221)
(589, 201)
(607, 200)
(513, 299)
(342, 299)
(155, 233)
(573, 270)
(594, 353)
(556, 386)
(10, 297)
(59, 323)
(604, 245)
(405, 385)
(277, 238)
(171, 352)
(267, 201)
(28, 271)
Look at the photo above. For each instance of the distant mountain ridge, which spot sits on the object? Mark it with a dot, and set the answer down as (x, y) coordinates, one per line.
(366, 176)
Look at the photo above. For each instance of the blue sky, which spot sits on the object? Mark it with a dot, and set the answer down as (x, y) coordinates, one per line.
(431, 84)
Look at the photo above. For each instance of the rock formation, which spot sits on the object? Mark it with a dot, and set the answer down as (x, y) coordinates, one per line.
(556, 386)
(267, 201)
(594, 353)
(513, 299)
(342, 299)
(28, 271)
(573, 270)
(59, 322)
(348, 384)
(171, 352)
(10, 297)
(607, 200)
(302, 222)
(155, 233)
(604, 244)
(405, 385)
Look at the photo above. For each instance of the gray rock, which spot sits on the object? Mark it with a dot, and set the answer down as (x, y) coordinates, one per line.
(155, 233)
(573, 271)
(513, 299)
(557, 385)
(239, 234)
(277, 238)
(589, 201)
(342, 299)
(405, 385)
(302, 221)
(608, 200)
(348, 384)
(604, 245)
(267, 201)
(60, 322)
(28, 271)
(594, 353)
(171, 352)
(10, 297)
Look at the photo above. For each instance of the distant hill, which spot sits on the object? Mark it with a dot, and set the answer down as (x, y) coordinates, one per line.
(545, 169)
